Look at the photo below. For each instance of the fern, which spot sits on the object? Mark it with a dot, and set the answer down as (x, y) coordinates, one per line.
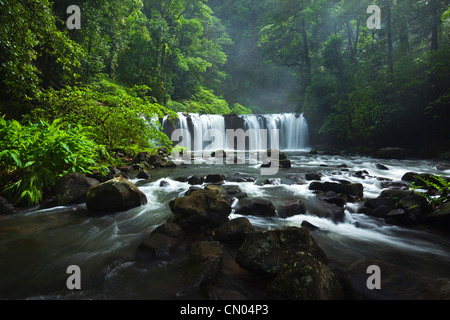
(442, 188)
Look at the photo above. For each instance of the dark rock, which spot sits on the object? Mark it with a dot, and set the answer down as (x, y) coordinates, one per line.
(5, 206)
(440, 218)
(196, 180)
(222, 191)
(237, 177)
(285, 164)
(396, 283)
(352, 189)
(291, 209)
(313, 151)
(116, 194)
(342, 165)
(72, 188)
(200, 210)
(415, 204)
(143, 175)
(399, 217)
(380, 166)
(234, 230)
(142, 156)
(281, 154)
(394, 185)
(305, 278)
(214, 178)
(205, 262)
(391, 153)
(164, 183)
(380, 201)
(234, 191)
(443, 166)
(312, 176)
(333, 197)
(192, 189)
(273, 181)
(309, 226)
(395, 194)
(256, 207)
(327, 210)
(160, 245)
(170, 229)
(269, 252)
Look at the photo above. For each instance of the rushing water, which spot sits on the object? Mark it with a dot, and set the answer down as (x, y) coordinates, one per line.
(38, 245)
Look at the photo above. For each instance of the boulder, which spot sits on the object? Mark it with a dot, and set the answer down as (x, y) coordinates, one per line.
(256, 207)
(440, 218)
(214, 178)
(237, 177)
(269, 252)
(312, 176)
(200, 210)
(309, 226)
(380, 166)
(5, 206)
(234, 230)
(305, 278)
(196, 180)
(291, 209)
(351, 189)
(326, 210)
(143, 175)
(72, 188)
(114, 195)
(235, 192)
(205, 259)
(333, 198)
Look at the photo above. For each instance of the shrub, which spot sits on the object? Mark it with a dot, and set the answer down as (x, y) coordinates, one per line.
(33, 156)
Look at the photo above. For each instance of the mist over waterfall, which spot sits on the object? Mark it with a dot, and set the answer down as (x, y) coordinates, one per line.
(290, 130)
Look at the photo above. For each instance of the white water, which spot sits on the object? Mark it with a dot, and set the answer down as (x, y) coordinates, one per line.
(292, 129)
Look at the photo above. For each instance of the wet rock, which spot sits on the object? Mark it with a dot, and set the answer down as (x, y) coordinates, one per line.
(5, 206)
(234, 230)
(200, 210)
(351, 189)
(214, 178)
(143, 175)
(192, 189)
(273, 181)
(205, 262)
(269, 252)
(312, 176)
(164, 183)
(395, 194)
(285, 164)
(327, 210)
(443, 166)
(440, 218)
(333, 198)
(394, 185)
(291, 209)
(415, 204)
(256, 207)
(196, 180)
(396, 283)
(305, 278)
(116, 194)
(72, 188)
(159, 245)
(237, 177)
(222, 191)
(380, 166)
(235, 192)
(309, 226)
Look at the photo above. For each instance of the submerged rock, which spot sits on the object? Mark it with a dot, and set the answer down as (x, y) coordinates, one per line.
(160, 245)
(114, 195)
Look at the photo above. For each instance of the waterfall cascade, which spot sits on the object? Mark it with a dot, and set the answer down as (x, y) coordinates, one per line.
(198, 131)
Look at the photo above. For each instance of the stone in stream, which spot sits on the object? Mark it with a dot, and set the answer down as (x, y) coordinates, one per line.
(205, 262)
(256, 207)
(234, 230)
(305, 278)
(160, 245)
(72, 188)
(200, 210)
(351, 189)
(5, 206)
(269, 252)
(114, 195)
(291, 208)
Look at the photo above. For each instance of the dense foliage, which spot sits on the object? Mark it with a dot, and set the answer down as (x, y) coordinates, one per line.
(135, 61)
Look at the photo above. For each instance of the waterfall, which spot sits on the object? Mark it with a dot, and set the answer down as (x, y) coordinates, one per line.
(199, 131)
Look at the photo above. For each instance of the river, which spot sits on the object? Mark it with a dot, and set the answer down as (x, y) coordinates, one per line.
(37, 245)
